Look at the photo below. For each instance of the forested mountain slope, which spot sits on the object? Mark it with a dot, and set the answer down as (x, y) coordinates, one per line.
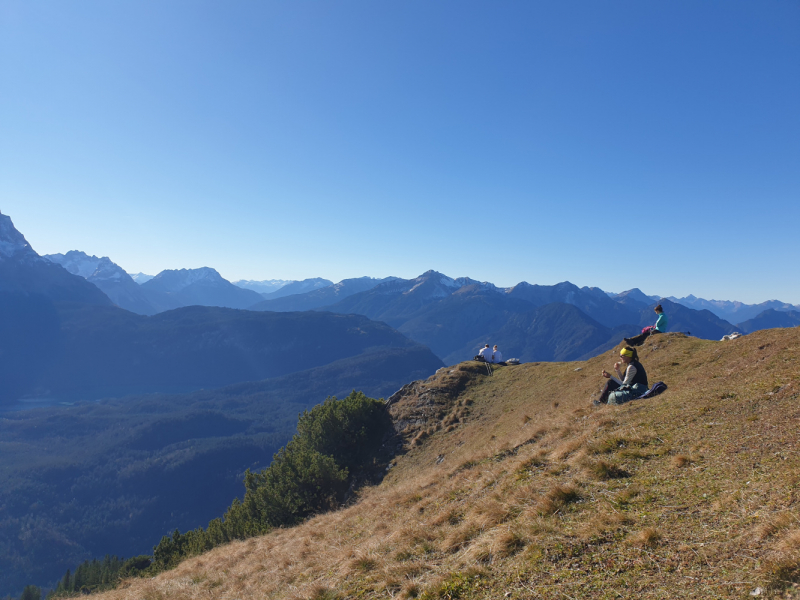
(770, 319)
(330, 294)
(88, 352)
(514, 485)
(113, 477)
(456, 317)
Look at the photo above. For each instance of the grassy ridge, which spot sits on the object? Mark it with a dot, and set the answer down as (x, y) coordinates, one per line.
(514, 486)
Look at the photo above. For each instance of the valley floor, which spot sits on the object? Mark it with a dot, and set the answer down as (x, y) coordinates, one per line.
(514, 486)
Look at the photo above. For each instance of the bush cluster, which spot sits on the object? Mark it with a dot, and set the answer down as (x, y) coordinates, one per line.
(335, 441)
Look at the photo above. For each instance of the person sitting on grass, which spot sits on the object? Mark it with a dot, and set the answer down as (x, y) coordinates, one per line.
(659, 327)
(497, 356)
(621, 389)
(485, 354)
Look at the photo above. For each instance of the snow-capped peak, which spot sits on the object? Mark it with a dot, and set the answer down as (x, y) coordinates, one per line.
(483, 285)
(266, 286)
(76, 262)
(88, 267)
(12, 243)
(140, 278)
(433, 285)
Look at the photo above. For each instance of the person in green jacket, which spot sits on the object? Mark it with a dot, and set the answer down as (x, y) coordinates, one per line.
(659, 327)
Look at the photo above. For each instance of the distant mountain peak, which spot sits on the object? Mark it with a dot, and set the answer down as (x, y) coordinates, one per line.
(12, 243)
(264, 286)
(636, 295)
(23, 270)
(432, 284)
(140, 277)
(89, 267)
(174, 280)
(463, 282)
(344, 283)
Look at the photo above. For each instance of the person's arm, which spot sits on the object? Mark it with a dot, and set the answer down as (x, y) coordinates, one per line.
(618, 378)
(630, 373)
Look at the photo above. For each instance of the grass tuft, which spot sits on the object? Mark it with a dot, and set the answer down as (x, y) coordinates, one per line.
(681, 460)
(783, 562)
(627, 495)
(602, 470)
(557, 498)
(456, 585)
(647, 538)
(323, 593)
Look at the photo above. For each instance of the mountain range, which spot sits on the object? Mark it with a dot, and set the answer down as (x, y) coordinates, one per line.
(298, 287)
(321, 296)
(112, 280)
(206, 287)
(262, 287)
(23, 272)
(62, 337)
(455, 317)
(735, 312)
(770, 319)
(168, 290)
(196, 287)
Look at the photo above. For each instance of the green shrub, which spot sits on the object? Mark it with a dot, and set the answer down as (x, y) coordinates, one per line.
(311, 474)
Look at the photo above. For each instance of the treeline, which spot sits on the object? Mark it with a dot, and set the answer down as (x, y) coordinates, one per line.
(31, 592)
(337, 446)
(91, 576)
(98, 575)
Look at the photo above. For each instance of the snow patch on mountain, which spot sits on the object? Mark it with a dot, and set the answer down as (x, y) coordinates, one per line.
(263, 287)
(140, 278)
(91, 268)
(12, 242)
(432, 284)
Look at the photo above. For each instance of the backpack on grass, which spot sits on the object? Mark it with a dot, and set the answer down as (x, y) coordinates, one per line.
(658, 387)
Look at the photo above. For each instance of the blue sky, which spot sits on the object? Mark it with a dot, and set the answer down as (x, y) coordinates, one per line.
(613, 144)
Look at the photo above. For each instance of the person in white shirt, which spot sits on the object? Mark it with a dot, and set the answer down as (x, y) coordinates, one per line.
(497, 356)
(486, 353)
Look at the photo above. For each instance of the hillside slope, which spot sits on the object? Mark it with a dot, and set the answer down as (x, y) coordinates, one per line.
(515, 486)
(90, 352)
(320, 296)
(770, 319)
(112, 477)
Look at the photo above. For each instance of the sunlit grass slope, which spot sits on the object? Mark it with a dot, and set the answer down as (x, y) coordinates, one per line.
(515, 486)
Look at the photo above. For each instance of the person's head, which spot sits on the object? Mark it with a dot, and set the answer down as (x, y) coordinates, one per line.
(658, 309)
(486, 346)
(628, 354)
(495, 346)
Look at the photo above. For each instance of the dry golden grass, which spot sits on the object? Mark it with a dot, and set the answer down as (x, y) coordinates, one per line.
(680, 460)
(648, 537)
(534, 493)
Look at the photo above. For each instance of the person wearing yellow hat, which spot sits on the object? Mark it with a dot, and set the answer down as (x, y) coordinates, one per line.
(622, 388)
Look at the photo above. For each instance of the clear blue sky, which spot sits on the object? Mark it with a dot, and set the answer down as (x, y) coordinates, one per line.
(615, 144)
